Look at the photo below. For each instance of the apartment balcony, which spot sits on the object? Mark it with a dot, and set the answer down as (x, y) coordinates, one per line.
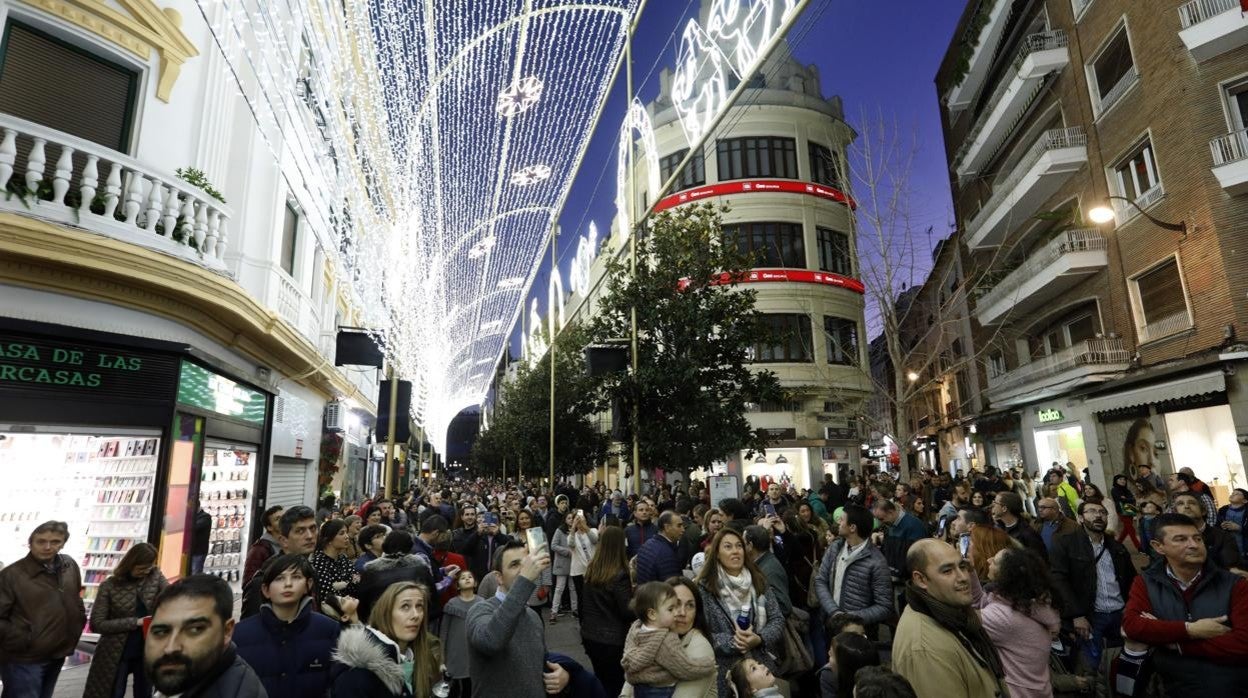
(1089, 361)
(1230, 161)
(998, 15)
(297, 308)
(1067, 260)
(1039, 55)
(77, 183)
(1053, 158)
(1212, 27)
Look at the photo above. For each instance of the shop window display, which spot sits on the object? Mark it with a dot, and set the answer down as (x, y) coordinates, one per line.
(225, 493)
(100, 485)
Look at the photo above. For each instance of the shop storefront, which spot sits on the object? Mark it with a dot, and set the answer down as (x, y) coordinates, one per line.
(1183, 422)
(1058, 438)
(1000, 439)
(110, 434)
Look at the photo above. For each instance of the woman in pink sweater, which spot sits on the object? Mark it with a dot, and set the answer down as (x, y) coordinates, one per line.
(1017, 613)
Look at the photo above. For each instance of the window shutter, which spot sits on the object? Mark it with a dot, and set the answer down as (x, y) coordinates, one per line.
(1161, 293)
(93, 99)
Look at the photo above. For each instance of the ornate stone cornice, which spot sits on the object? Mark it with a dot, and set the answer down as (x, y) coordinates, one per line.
(45, 256)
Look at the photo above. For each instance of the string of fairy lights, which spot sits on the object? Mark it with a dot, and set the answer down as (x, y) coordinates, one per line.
(428, 145)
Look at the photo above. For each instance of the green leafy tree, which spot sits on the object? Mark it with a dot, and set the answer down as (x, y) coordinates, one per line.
(520, 430)
(696, 332)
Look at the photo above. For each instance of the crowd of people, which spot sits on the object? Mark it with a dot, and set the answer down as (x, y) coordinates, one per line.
(990, 584)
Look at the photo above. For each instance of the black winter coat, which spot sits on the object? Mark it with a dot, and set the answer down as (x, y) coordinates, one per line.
(605, 616)
(372, 666)
(1074, 572)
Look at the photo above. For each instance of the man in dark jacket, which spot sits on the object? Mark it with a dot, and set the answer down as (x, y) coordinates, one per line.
(1007, 509)
(1197, 615)
(479, 546)
(41, 613)
(758, 548)
(903, 531)
(397, 564)
(1093, 574)
(267, 545)
(188, 651)
(288, 645)
(659, 559)
(1222, 549)
(854, 576)
(641, 530)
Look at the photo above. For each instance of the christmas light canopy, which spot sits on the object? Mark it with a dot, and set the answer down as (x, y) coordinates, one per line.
(431, 145)
(519, 96)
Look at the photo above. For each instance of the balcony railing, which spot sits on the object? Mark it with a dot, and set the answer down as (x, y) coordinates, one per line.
(1232, 147)
(80, 183)
(1069, 242)
(1089, 352)
(1055, 139)
(1171, 324)
(1128, 79)
(1042, 41)
(1125, 211)
(1197, 11)
(1080, 6)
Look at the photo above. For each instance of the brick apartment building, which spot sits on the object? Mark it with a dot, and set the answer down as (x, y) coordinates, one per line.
(1105, 345)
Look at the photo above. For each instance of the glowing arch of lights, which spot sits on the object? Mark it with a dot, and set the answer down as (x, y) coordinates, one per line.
(638, 119)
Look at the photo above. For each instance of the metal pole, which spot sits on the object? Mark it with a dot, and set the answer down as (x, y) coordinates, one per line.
(552, 320)
(632, 256)
(394, 406)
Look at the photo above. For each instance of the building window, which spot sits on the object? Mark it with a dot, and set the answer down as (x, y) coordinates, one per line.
(841, 335)
(771, 244)
(996, 364)
(290, 232)
(1237, 102)
(834, 252)
(93, 99)
(694, 174)
(964, 391)
(774, 406)
(1112, 72)
(789, 339)
(823, 166)
(754, 157)
(1161, 301)
(1136, 178)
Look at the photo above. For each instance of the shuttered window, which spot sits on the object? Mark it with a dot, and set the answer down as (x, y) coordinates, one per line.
(287, 482)
(1161, 292)
(93, 99)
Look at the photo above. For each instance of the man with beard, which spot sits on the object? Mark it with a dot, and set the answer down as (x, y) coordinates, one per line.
(1092, 573)
(189, 651)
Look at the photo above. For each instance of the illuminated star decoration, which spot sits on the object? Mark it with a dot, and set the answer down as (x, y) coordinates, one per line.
(517, 98)
(478, 250)
(530, 175)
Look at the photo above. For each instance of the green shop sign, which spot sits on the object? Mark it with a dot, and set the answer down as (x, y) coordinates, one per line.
(1047, 416)
(35, 364)
(199, 387)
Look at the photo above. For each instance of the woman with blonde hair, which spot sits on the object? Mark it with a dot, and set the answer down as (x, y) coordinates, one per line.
(394, 654)
(117, 615)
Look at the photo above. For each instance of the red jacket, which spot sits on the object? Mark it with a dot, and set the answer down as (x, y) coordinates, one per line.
(1229, 648)
(444, 558)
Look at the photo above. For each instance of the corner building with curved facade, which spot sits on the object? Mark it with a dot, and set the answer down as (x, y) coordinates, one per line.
(778, 161)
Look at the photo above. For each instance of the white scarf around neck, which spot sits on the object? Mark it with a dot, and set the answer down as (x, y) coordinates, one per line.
(737, 594)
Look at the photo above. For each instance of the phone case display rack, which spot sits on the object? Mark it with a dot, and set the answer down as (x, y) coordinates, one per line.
(225, 491)
(100, 485)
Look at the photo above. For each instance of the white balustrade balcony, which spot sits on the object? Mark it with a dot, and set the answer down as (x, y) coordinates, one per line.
(1089, 361)
(962, 94)
(1124, 211)
(1230, 161)
(78, 183)
(1039, 55)
(1212, 27)
(1068, 259)
(1124, 84)
(1053, 158)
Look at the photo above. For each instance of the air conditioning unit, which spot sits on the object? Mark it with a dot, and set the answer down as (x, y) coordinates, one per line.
(335, 416)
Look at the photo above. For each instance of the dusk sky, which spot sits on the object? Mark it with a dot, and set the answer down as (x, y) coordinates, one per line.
(880, 56)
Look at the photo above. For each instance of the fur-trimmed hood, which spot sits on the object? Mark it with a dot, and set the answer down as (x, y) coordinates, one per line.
(361, 647)
(388, 562)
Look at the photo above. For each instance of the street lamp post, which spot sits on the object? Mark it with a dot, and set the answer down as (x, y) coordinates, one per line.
(1104, 214)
